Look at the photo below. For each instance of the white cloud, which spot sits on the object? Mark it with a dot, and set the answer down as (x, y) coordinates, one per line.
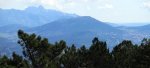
(57, 4)
(106, 6)
(147, 4)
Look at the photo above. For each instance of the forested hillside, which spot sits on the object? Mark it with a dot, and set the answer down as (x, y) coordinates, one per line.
(39, 53)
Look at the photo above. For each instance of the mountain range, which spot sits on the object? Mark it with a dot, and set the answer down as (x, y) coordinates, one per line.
(56, 25)
(31, 16)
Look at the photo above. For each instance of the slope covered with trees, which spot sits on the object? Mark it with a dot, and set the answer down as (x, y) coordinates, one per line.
(39, 53)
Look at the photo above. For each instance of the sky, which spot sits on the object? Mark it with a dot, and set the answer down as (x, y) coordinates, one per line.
(115, 11)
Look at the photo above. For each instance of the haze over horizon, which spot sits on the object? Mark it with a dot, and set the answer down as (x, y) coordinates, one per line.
(115, 11)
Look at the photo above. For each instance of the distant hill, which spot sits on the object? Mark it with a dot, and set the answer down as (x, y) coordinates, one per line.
(8, 46)
(12, 28)
(31, 16)
(135, 33)
(144, 28)
(80, 30)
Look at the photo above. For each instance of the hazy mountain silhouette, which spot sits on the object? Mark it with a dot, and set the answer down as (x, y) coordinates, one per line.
(12, 28)
(79, 30)
(135, 33)
(31, 16)
(8, 46)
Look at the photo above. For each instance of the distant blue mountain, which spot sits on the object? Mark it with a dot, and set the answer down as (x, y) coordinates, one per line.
(31, 16)
(12, 28)
(135, 33)
(80, 30)
(144, 28)
(8, 46)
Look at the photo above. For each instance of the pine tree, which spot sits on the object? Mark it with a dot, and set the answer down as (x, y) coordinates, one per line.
(99, 56)
(70, 58)
(38, 51)
(144, 54)
(124, 55)
(15, 62)
(82, 57)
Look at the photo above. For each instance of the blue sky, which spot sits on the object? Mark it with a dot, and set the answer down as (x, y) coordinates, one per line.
(115, 11)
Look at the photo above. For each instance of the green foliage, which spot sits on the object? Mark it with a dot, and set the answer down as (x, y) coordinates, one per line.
(99, 56)
(83, 54)
(15, 62)
(70, 58)
(124, 54)
(39, 53)
(144, 54)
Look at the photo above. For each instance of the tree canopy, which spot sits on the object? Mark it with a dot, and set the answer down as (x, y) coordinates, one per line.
(39, 53)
